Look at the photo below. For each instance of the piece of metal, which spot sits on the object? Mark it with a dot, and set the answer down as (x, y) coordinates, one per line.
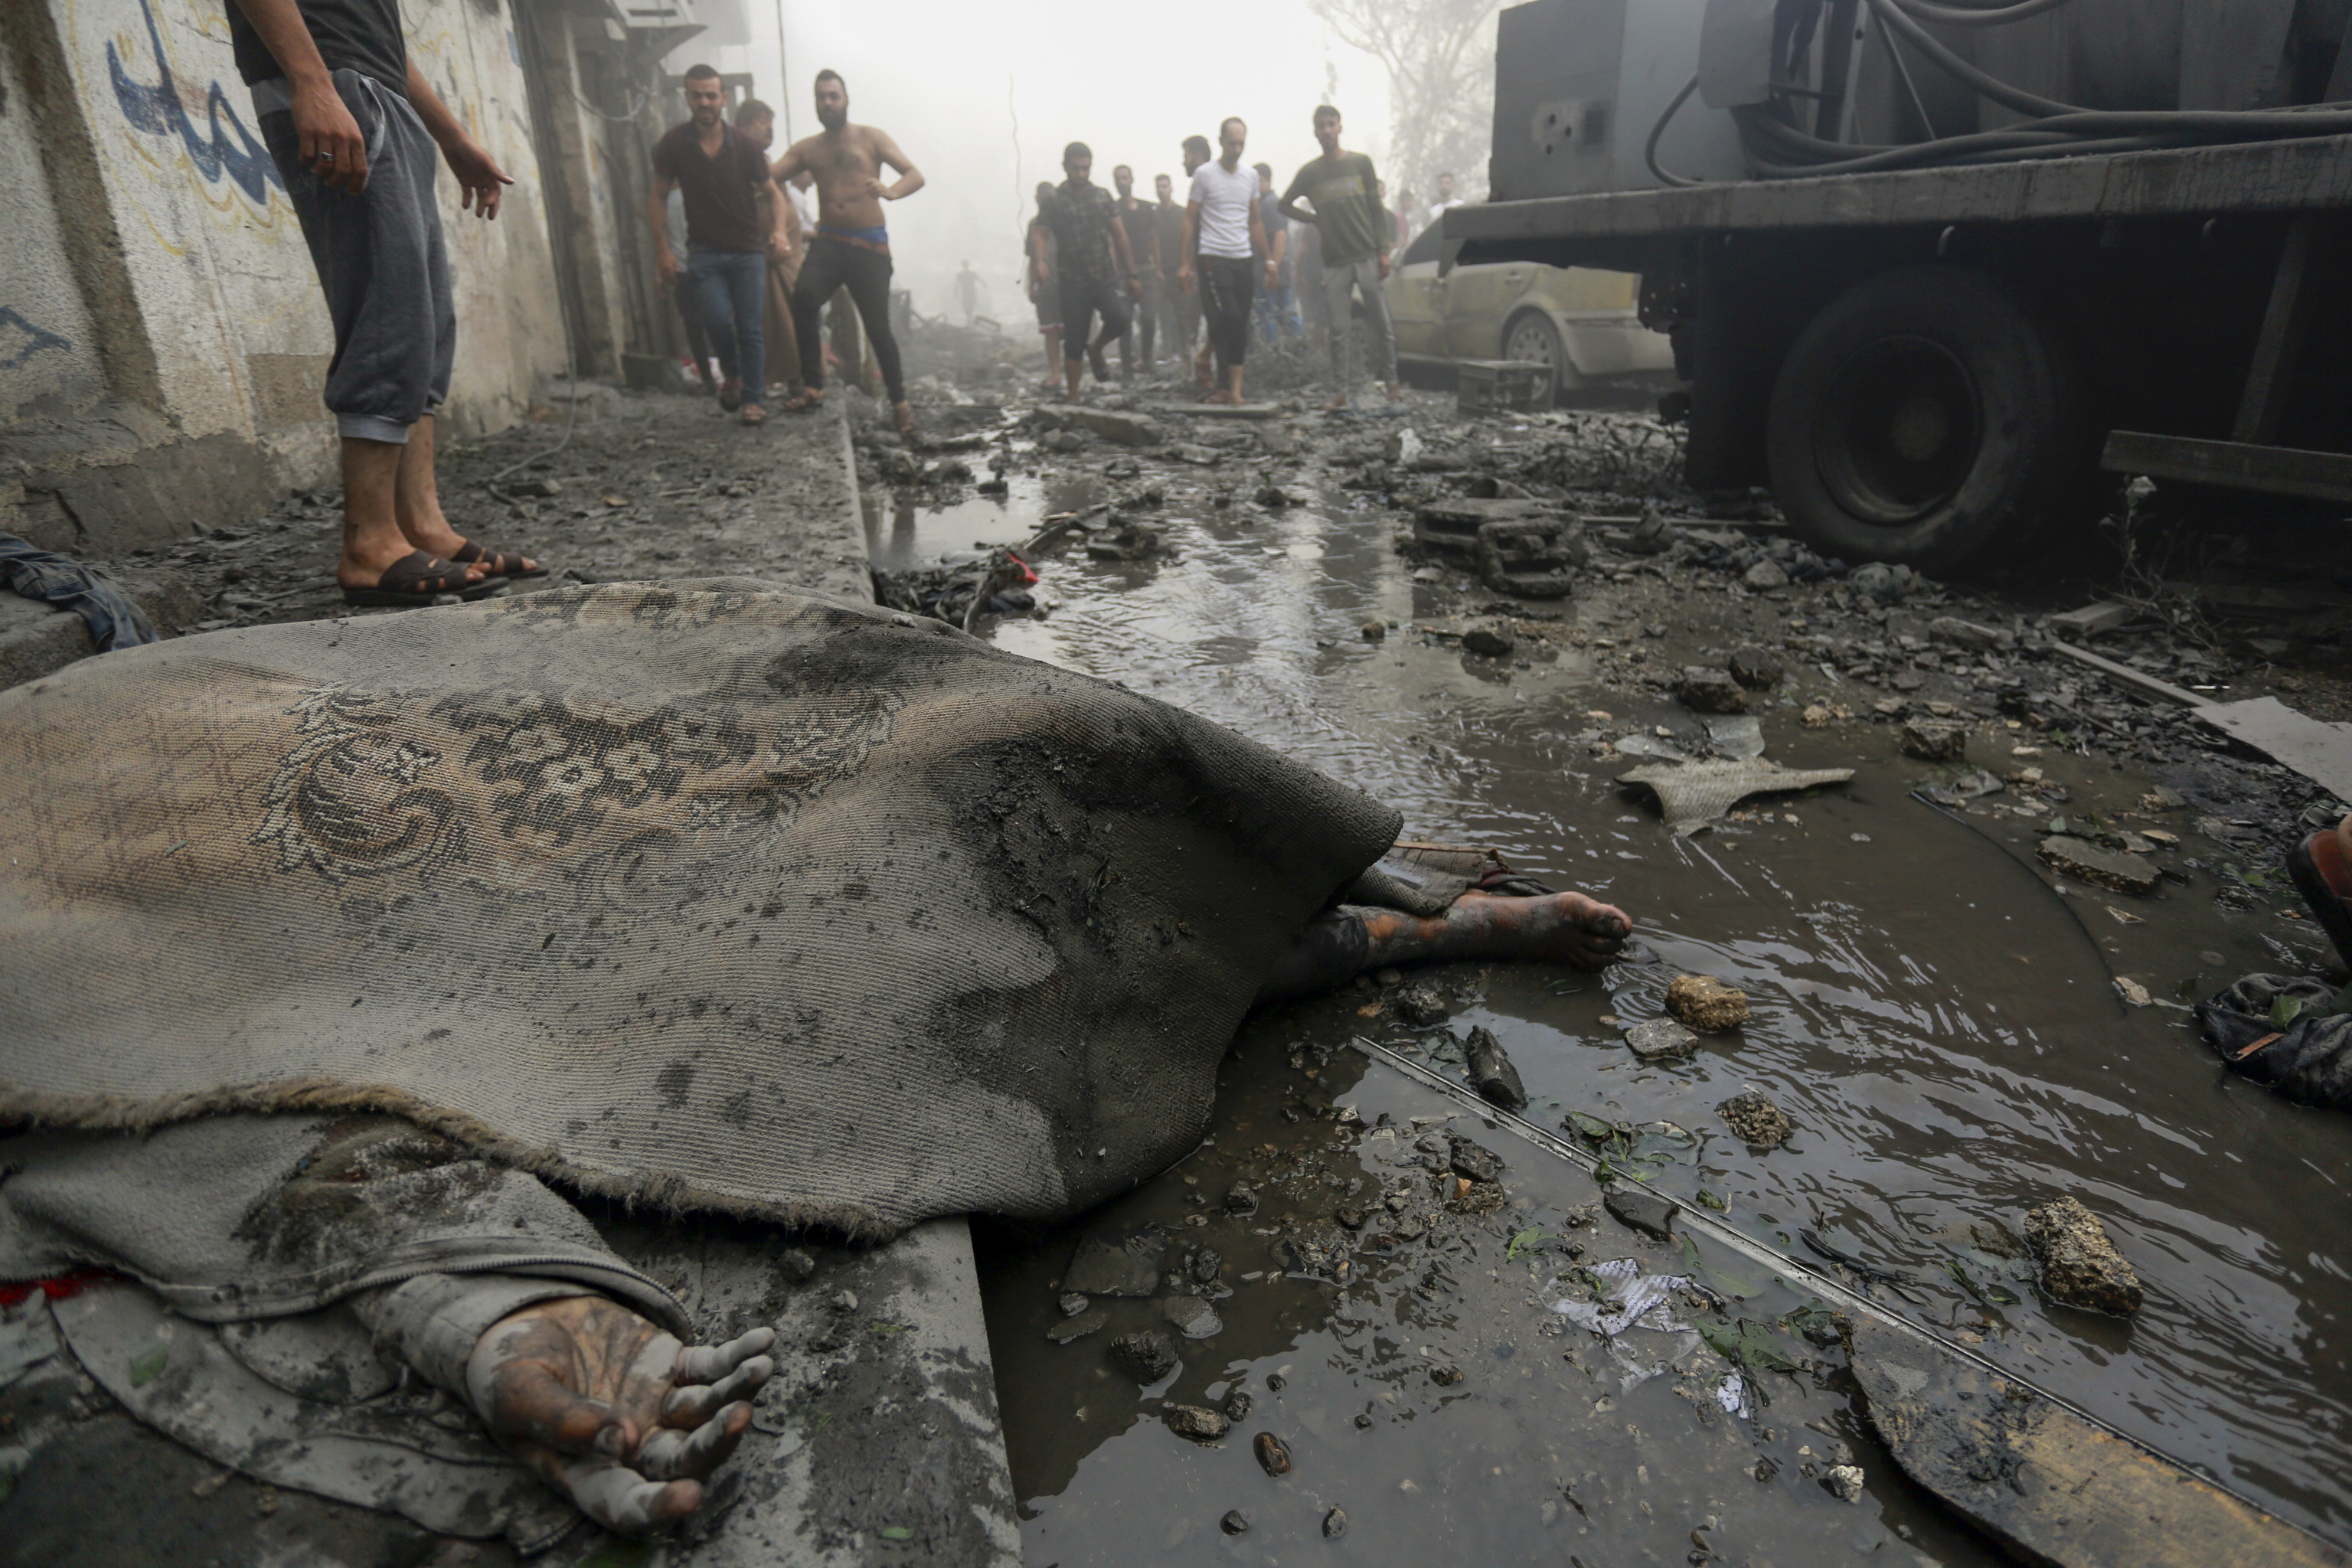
(2320, 751)
(2236, 465)
(2124, 672)
(2278, 346)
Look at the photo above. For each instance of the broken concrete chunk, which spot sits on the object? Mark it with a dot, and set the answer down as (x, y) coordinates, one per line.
(1146, 1357)
(1705, 691)
(1128, 1266)
(1192, 1316)
(1192, 1421)
(2100, 867)
(1956, 633)
(1492, 1076)
(1072, 1303)
(1637, 1205)
(1126, 429)
(2080, 1267)
(1077, 1328)
(1659, 1037)
(1532, 558)
(1754, 1120)
(1707, 1004)
(2090, 619)
(1843, 1482)
(1764, 575)
(1935, 740)
(1421, 1005)
(1474, 1162)
(1489, 642)
(1756, 670)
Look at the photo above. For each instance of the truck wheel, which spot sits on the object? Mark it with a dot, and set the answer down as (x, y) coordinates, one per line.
(1922, 415)
(1532, 337)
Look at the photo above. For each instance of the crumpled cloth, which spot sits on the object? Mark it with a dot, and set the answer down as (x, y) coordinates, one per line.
(115, 621)
(2308, 1060)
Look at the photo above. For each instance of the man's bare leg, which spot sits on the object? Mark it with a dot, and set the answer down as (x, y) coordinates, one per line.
(416, 499)
(1233, 384)
(373, 540)
(1558, 928)
(1073, 372)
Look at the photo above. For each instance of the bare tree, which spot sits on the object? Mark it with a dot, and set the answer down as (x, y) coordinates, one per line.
(1440, 59)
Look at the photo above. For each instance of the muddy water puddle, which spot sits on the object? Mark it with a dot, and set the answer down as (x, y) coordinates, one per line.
(1936, 1017)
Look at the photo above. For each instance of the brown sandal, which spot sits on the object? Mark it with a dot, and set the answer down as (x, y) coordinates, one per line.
(495, 562)
(417, 578)
(803, 400)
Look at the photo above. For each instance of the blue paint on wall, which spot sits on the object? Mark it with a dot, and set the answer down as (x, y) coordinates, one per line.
(20, 340)
(245, 162)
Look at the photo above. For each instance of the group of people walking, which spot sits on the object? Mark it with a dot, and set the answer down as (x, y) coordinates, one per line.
(754, 265)
(1165, 272)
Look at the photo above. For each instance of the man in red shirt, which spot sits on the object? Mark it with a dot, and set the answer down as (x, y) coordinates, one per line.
(722, 174)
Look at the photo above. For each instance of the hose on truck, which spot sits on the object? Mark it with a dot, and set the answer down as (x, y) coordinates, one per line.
(1779, 150)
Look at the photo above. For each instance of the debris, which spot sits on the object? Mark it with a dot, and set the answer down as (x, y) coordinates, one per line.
(1474, 1160)
(1756, 1121)
(1192, 1421)
(1272, 1456)
(2129, 676)
(1887, 583)
(1659, 1037)
(1765, 575)
(1645, 1210)
(1458, 522)
(1403, 447)
(1126, 429)
(1072, 1304)
(1192, 1317)
(1756, 670)
(2321, 753)
(1335, 1524)
(1421, 1005)
(1934, 739)
(1492, 1074)
(2101, 867)
(1376, 631)
(1707, 1004)
(1237, 1402)
(1815, 716)
(1533, 558)
(1701, 792)
(1958, 633)
(1241, 1200)
(1129, 1267)
(1489, 642)
(2080, 1267)
(1077, 1328)
(2105, 616)
(1844, 1482)
(1235, 1523)
(1445, 1376)
(2133, 994)
(1705, 691)
(1146, 1357)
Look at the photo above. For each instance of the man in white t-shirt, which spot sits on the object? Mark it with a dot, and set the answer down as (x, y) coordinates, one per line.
(1445, 197)
(1222, 227)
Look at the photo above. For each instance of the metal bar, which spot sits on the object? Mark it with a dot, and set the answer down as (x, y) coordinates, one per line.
(2139, 678)
(2279, 345)
(1837, 70)
(2280, 470)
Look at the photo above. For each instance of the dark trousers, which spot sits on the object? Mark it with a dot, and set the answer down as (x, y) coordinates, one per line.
(831, 265)
(1146, 322)
(1082, 300)
(690, 312)
(730, 284)
(1227, 283)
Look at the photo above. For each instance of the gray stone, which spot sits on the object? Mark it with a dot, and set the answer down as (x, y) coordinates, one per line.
(1146, 1357)
(1765, 575)
(1705, 691)
(1755, 1120)
(1756, 670)
(1421, 1005)
(1192, 1317)
(1335, 1524)
(1072, 1304)
(1198, 457)
(1641, 1208)
(1659, 1037)
(1241, 1200)
(1236, 1523)
(1844, 1482)
(1128, 1266)
(1492, 1074)
(1475, 1161)
(1934, 739)
(1532, 558)
(1273, 1457)
(2079, 1265)
(1192, 1421)
(1489, 642)
(1352, 1215)
(1702, 1003)
(2100, 867)
(1237, 1403)
(1954, 632)
(1206, 1264)
(1077, 1328)
(1126, 429)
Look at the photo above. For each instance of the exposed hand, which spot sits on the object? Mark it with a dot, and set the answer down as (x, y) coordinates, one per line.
(1272, 272)
(612, 1411)
(878, 190)
(664, 265)
(1384, 267)
(1135, 289)
(1184, 278)
(780, 248)
(331, 145)
(478, 175)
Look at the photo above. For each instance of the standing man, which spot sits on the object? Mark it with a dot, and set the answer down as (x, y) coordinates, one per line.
(1180, 313)
(1143, 246)
(967, 287)
(1091, 265)
(781, 364)
(1405, 228)
(352, 124)
(1038, 265)
(1445, 197)
(1275, 307)
(851, 247)
(1224, 228)
(722, 174)
(1343, 191)
(1196, 153)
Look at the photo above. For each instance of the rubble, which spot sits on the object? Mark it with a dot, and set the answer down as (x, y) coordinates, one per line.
(2116, 872)
(1706, 1004)
(1147, 1357)
(1660, 1037)
(1754, 1120)
(1193, 1422)
(1492, 1076)
(1703, 689)
(2080, 1267)
(1934, 739)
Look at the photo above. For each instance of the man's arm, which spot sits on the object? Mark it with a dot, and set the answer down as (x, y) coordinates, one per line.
(1387, 225)
(1290, 207)
(1185, 246)
(1040, 269)
(792, 164)
(780, 235)
(478, 175)
(658, 219)
(1258, 241)
(329, 138)
(1126, 254)
(910, 178)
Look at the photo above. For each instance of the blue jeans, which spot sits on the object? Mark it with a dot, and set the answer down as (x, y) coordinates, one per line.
(734, 286)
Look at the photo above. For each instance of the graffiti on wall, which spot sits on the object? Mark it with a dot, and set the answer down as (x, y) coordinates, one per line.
(20, 340)
(159, 109)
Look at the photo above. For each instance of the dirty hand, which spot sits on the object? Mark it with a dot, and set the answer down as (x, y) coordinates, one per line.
(331, 145)
(878, 190)
(1273, 273)
(478, 175)
(780, 248)
(1135, 289)
(612, 1411)
(665, 267)
(1184, 278)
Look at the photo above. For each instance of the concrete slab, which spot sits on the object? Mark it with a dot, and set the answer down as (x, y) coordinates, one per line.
(37, 638)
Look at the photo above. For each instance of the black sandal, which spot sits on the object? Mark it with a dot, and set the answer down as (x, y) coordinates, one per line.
(495, 562)
(417, 578)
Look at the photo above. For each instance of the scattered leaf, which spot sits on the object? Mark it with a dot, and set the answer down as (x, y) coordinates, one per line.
(1709, 1200)
(896, 1532)
(1751, 1345)
(147, 1367)
(1525, 1241)
(2285, 1010)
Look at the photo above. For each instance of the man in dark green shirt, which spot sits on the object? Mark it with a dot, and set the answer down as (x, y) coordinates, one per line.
(1344, 193)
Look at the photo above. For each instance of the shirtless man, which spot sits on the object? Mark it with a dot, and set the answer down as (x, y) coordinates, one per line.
(850, 247)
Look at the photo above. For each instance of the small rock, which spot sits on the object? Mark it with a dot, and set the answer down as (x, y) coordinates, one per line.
(1488, 642)
(2100, 867)
(1844, 1482)
(542, 487)
(1192, 1317)
(1420, 1005)
(1935, 740)
(1206, 1265)
(1638, 1206)
(1765, 574)
(1476, 1163)
(1492, 1076)
(1146, 1357)
(1756, 670)
(1352, 1216)
(1072, 1304)
(1375, 631)
(1956, 633)
(1815, 716)
(1128, 1266)
(1445, 1376)
(1272, 1456)
(796, 1265)
(1237, 1403)
(2080, 1267)
(1192, 1421)
(2133, 994)
(1077, 1328)
(1707, 1004)
(1236, 1523)
(1335, 1524)
(1705, 691)
(1241, 1201)
(1754, 1119)
(1659, 1037)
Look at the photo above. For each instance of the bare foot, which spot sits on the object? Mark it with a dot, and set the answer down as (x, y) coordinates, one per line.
(610, 1411)
(1559, 928)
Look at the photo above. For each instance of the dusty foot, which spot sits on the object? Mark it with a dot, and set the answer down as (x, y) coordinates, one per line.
(1557, 928)
(612, 1411)
(366, 569)
(1335, 402)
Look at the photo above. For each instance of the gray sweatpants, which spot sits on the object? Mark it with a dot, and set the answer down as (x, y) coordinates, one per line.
(1362, 277)
(380, 260)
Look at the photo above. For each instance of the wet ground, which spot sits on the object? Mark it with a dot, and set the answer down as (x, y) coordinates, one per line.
(1937, 1010)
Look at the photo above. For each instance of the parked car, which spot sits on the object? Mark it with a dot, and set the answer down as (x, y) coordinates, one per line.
(1580, 321)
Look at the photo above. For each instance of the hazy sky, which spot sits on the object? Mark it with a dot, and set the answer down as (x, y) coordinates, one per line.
(1132, 81)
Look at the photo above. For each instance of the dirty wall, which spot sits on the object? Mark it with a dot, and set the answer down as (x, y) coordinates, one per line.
(162, 341)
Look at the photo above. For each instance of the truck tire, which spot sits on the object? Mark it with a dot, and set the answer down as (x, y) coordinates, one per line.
(1533, 336)
(1924, 414)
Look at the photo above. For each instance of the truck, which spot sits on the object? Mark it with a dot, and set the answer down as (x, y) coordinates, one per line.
(1939, 274)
